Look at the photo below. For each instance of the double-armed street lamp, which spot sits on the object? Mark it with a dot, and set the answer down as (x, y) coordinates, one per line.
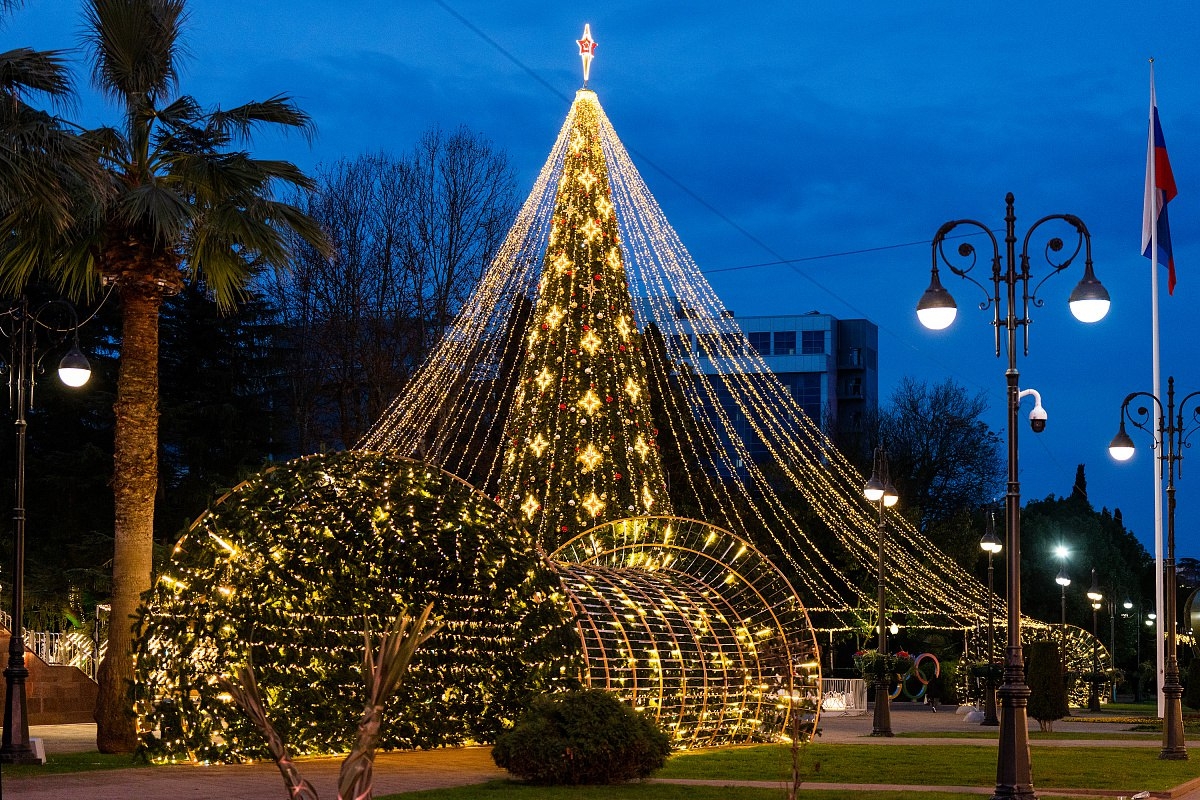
(936, 309)
(1095, 596)
(879, 490)
(1170, 438)
(22, 327)
(991, 544)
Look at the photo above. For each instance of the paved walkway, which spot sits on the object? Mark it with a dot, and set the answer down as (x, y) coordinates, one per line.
(412, 771)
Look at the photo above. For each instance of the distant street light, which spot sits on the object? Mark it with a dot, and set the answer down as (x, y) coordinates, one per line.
(1095, 596)
(879, 490)
(991, 544)
(1167, 427)
(21, 327)
(936, 309)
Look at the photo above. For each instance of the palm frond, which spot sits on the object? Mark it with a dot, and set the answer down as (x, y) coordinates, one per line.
(158, 210)
(279, 110)
(25, 71)
(135, 46)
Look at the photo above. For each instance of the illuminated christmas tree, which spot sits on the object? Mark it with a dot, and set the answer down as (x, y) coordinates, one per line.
(581, 444)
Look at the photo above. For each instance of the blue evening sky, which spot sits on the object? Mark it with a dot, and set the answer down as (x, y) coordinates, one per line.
(819, 129)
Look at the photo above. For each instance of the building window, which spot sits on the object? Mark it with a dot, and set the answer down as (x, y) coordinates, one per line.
(856, 359)
(785, 343)
(812, 343)
(734, 343)
(681, 345)
(807, 391)
(710, 344)
(760, 341)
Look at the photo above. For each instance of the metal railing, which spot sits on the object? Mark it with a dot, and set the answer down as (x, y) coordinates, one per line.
(71, 649)
(843, 696)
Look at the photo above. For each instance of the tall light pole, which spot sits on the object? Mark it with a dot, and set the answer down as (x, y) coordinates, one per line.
(1063, 580)
(991, 544)
(21, 327)
(1167, 425)
(1095, 596)
(879, 490)
(936, 309)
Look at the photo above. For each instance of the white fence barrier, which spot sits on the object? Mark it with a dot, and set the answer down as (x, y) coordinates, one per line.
(846, 696)
(72, 649)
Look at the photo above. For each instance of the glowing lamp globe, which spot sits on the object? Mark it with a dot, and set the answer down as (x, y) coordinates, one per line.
(74, 369)
(936, 308)
(1089, 299)
(1121, 447)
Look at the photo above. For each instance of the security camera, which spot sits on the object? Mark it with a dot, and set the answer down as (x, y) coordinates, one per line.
(1037, 417)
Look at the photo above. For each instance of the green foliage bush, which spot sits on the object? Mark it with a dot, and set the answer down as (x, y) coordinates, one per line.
(1043, 673)
(582, 737)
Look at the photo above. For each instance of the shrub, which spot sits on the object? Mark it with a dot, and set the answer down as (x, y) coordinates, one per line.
(1043, 673)
(582, 737)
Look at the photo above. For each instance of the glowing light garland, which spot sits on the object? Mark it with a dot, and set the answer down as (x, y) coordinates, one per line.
(288, 567)
(436, 416)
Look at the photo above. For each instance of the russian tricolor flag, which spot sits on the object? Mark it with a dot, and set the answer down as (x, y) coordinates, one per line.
(1160, 190)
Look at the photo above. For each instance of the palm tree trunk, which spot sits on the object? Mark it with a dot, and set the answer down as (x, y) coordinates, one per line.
(135, 482)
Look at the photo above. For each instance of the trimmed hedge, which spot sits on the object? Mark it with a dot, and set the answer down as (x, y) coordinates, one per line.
(582, 737)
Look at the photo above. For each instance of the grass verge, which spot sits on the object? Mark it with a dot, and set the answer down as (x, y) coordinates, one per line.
(1061, 767)
(505, 790)
(73, 762)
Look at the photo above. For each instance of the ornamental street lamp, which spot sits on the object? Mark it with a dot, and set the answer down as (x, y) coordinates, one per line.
(21, 327)
(1168, 429)
(1095, 596)
(936, 309)
(991, 544)
(879, 490)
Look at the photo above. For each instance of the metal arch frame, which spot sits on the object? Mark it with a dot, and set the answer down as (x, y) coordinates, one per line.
(611, 546)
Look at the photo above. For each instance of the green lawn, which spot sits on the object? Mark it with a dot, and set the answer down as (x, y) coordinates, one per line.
(74, 762)
(504, 790)
(1034, 736)
(962, 765)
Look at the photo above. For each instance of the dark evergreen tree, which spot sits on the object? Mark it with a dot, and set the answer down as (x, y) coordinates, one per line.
(1044, 675)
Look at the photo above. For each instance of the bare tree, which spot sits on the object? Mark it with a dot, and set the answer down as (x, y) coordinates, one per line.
(411, 236)
(945, 460)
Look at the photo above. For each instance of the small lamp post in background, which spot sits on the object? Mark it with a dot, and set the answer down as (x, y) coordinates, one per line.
(991, 544)
(1063, 580)
(1167, 427)
(21, 327)
(1095, 596)
(879, 490)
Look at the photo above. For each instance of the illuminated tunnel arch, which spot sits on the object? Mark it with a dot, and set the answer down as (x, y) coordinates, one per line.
(694, 624)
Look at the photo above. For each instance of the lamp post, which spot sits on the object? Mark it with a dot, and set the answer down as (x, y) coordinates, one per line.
(21, 326)
(1095, 596)
(936, 309)
(991, 544)
(879, 490)
(1063, 580)
(1170, 438)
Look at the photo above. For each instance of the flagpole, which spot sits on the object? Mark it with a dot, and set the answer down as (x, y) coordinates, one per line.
(1159, 621)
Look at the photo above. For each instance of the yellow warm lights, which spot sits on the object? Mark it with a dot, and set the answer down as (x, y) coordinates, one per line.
(590, 457)
(590, 402)
(593, 504)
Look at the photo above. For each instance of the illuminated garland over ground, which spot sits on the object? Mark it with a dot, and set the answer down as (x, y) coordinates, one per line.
(438, 417)
(692, 624)
(286, 569)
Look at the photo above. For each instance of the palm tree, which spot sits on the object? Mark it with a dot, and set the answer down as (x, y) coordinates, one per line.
(44, 163)
(183, 202)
